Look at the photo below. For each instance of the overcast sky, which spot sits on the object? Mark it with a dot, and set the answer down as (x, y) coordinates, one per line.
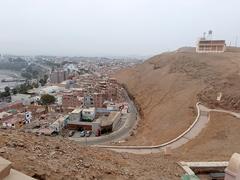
(112, 27)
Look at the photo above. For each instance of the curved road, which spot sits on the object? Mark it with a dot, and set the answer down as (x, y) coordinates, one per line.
(123, 132)
(197, 126)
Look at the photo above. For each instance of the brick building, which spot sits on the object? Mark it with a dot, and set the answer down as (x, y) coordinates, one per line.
(58, 76)
(71, 100)
(98, 99)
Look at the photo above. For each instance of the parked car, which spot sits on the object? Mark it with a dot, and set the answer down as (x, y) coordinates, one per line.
(82, 133)
(71, 133)
(88, 133)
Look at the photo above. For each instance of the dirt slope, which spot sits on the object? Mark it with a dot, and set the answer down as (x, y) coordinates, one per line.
(53, 158)
(218, 141)
(167, 87)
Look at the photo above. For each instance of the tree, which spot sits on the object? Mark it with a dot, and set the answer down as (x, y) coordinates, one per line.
(7, 91)
(26, 75)
(41, 81)
(35, 85)
(45, 78)
(14, 91)
(47, 99)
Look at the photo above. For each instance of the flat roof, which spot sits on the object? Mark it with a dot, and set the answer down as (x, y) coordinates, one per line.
(77, 110)
(89, 109)
(110, 119)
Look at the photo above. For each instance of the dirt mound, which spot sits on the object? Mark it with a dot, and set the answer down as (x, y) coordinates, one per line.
(167, 87)
(58, 158)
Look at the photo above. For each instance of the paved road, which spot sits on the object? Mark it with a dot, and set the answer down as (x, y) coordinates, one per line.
(130, 121)
(197, 126)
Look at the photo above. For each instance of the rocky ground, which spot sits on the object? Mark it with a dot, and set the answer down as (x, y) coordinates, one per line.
(58, 158)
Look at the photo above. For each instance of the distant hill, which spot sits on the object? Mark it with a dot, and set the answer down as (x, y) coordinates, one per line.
(167, 87)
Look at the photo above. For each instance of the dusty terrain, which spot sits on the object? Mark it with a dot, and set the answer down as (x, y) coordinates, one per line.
(167, 87)
(57, 158)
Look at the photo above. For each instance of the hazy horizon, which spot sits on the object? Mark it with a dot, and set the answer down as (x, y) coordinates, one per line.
(112, 28)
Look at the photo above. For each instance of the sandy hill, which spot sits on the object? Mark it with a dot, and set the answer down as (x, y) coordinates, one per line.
(167, 87)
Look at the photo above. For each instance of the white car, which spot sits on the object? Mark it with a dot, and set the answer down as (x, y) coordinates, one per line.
(88, 133)
(82, 133)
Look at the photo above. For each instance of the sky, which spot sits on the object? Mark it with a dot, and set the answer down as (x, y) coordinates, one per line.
(113, 27)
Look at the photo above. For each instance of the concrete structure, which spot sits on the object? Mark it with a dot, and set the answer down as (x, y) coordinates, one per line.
(111, 122)
(59, 124)
(88, 101)
(232, 172)
(88, 114)
(76, 115)
(96, 128)
(7, 173)
(112, 107)
(210, 46)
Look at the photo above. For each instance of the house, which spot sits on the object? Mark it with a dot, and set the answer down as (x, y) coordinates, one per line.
(210, 46)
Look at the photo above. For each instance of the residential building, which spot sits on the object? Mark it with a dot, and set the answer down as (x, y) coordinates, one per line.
(88, 101)
(88, 114)
(98, 99)
(58, 76)
(70, 100)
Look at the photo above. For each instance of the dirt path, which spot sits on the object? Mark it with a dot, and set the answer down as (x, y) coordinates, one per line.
(194, 130)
